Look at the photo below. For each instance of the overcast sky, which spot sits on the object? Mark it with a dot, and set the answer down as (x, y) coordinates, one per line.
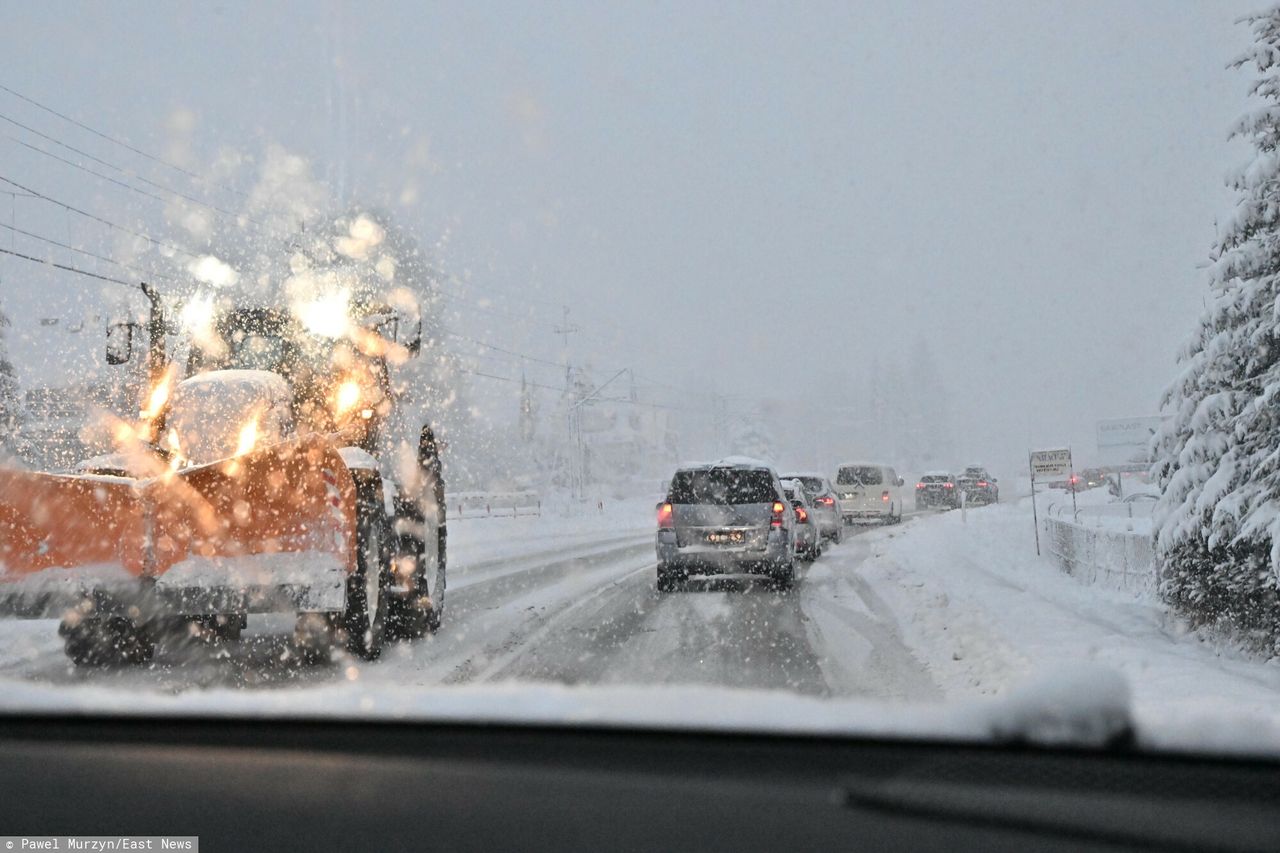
(717, 190)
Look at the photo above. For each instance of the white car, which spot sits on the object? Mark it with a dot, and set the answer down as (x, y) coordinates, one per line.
(869, 492)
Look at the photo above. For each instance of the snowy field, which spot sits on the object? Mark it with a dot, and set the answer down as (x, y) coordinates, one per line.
(947, 624)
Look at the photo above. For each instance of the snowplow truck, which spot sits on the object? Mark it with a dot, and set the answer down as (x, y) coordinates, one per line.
(259, 483)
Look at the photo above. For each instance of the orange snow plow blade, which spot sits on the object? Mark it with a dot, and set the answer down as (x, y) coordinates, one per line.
(269, 530)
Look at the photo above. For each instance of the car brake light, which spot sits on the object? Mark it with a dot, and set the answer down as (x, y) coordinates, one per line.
(885, 497)
(827, 501)
(778, 509)
(919, 485)
(950, 485)
(666, 516)
(982, 484)
(801, 515)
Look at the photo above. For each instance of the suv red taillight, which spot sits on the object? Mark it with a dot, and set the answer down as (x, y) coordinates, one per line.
(801, 515)
(666, 516)
(919, 485)
(982, 484)
(885, 496)
(827, 501)
(778, 509)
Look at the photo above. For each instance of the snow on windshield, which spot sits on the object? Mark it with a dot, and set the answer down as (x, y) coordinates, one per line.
(393, 361)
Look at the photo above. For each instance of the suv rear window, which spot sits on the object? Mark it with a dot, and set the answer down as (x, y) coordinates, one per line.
(935, 478)
(813, 485)
(723, 486)
(864, 475)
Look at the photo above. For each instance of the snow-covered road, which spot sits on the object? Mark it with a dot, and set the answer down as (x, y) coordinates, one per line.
(943, 607)
(579, 607)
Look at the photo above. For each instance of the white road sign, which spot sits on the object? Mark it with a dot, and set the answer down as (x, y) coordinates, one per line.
(1128, 432)
(1050, 464)
(1126, 440)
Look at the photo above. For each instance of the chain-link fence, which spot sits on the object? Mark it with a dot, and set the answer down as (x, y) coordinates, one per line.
(1111, 558)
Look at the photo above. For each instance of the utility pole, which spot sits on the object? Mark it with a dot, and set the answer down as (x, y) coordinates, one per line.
(566, 329)
(579, 446)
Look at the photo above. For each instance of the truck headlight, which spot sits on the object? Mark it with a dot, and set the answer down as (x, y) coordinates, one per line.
(349, 394)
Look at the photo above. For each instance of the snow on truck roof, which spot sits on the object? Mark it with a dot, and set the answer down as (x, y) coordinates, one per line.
(243, 379)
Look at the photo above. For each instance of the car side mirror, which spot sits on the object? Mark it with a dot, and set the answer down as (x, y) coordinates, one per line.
(994, 480)
(119, 343)
(901, 482)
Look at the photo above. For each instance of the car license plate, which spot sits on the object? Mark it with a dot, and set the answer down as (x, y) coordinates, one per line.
(727, 537)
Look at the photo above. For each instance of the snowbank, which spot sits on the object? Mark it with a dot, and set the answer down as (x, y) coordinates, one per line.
(984, 614)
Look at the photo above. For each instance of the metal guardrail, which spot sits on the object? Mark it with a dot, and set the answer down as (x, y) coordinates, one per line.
(1112, 558)
(494, 504)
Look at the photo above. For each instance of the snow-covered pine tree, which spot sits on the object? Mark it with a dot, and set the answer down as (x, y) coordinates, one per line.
(1218, 455)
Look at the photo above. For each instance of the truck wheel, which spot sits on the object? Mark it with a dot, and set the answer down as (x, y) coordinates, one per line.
(106, 641)
(364, 620)
(420, 609)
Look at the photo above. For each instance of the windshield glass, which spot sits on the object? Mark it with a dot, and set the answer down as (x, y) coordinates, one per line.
(526, 277)
(860, 475)
(722, 486)
(813, 485)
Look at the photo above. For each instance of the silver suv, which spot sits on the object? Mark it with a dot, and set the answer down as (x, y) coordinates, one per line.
(727, 517)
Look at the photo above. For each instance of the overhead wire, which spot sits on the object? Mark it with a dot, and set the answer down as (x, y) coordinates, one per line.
(87, 253)
(121, 169)
(119, 142)
(171, 247)
(31, 193)
(72, 269)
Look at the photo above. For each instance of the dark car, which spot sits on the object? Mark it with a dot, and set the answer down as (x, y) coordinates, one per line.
(978, 486)
(937, 489)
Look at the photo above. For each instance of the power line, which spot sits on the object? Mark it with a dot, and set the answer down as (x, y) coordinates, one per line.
(87, 253)
(97, 218)
(121, 169)
(82, 167)
(75, 270)
(466, 370)
(520, 355)
(119, 142)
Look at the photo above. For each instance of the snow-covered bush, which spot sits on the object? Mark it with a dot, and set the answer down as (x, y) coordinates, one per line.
(9, 401)
(1218, 456)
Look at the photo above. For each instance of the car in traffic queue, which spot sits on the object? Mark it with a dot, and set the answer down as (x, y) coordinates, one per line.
(869, 492)
(937, 489)
(808, 538)
(825, 508)
(978, 486)
(724, 518)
